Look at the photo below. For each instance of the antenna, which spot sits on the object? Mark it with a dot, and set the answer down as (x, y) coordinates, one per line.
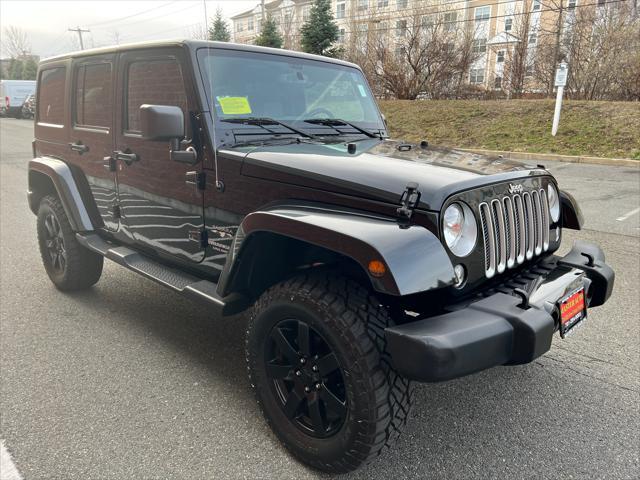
(212, 107)
(79, 31)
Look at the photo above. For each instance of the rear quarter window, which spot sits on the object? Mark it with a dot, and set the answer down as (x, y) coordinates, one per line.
(51, 95)
(154, 82)
(93, 95)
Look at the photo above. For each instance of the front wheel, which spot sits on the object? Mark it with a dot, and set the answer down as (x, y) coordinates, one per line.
(317, 359)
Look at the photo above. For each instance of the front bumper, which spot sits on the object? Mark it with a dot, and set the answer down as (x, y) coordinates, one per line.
(503, 328)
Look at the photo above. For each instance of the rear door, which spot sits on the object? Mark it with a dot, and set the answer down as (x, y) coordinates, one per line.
(91, 142)
(159, 209)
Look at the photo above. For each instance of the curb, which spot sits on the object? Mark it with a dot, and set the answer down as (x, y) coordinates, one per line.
(618, 162)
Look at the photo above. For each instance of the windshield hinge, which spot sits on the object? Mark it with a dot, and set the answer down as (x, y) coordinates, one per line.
(409, 201)
(199, 179)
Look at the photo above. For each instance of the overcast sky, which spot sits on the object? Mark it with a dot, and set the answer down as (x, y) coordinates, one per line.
(46, 22)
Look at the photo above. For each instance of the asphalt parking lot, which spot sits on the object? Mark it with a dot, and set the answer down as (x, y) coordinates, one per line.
(128, 380)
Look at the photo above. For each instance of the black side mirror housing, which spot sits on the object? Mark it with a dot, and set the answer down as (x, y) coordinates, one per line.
(161, 122)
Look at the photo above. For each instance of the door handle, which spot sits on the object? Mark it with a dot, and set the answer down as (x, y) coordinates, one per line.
(110, 164)
(127, 157)
(79, 147)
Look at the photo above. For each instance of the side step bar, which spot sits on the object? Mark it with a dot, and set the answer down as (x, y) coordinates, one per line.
(176, 280)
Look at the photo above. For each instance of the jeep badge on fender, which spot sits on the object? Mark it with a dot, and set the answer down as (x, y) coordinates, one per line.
(264, 181)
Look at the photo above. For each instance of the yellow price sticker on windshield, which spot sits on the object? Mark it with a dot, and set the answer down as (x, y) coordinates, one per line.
(234, 105)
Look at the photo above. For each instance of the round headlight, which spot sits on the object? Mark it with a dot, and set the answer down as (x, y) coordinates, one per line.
(459, 229)
(554, 202)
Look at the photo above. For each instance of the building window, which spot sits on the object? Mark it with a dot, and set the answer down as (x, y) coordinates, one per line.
(306, 13)
(497, 82)
(402, 4)
(528, 71)
(383, 3)
(449, 21)
(51, 96)
(363, 4)
(259, 24)
(533, 38)
(239, 27)
(399, 51)
(401, 28)
(250, 24)
(341, 34)
(476, 75)
(508, 24)
(482, 14)
(479, 45)
(340, 10)
(93, 95)
(500, 56)
(572, 4)
(536, 5)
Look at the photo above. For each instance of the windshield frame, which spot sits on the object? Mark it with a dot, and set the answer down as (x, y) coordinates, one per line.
(224, 127)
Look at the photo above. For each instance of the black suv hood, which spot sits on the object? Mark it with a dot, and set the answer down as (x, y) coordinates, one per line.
(381, 170)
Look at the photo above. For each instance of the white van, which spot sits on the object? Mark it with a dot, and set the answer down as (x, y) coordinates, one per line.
(13, 94)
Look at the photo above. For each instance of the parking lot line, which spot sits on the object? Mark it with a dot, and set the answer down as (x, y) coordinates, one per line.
(8, 470)
(628, 214)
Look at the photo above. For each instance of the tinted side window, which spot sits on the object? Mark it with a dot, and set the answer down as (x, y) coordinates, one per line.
(51, 96)
(93, 103)
(156, 82)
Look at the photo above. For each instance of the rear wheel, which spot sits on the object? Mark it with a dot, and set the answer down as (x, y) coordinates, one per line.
(69, 265)
(316, 357)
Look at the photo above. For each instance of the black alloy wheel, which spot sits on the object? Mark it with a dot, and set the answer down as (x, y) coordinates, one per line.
(70, 266)
(306, 378)
(317, 359)
(55, 243)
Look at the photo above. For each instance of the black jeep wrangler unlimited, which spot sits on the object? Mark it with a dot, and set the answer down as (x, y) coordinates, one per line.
(264, 180)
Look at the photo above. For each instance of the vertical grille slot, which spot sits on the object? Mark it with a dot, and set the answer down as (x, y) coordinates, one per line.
(501, 243)
(489, 240)
(520, 228)
(545, 220)
(514, 229)
(537, 209)
(510, 224)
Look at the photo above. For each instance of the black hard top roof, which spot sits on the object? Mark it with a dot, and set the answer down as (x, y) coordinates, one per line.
(193, 45)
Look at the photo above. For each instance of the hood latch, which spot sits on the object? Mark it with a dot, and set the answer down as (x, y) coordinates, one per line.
(409, 200)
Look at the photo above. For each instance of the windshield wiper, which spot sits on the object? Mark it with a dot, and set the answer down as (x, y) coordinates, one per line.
(336, 122)
(263, 121)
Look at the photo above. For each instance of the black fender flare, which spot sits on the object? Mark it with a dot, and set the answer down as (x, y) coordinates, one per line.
(65, 185)
(415, 259)
(571, 214)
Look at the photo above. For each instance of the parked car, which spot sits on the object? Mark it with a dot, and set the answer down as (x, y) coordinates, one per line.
(13, 94)
(29, 106)
(263, 181)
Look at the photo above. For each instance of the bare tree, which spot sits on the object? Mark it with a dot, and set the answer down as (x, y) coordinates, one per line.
(424, 54)
(15, 42)
(198, 32)
(601, 44)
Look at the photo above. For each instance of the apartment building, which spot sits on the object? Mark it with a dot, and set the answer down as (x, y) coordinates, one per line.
(502, 30)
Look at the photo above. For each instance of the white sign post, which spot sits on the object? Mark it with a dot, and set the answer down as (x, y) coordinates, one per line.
(561, 80)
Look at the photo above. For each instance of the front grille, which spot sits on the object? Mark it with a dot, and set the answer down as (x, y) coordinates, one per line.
(515, 228)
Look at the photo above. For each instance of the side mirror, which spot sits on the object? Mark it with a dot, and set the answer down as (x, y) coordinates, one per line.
(161, 122)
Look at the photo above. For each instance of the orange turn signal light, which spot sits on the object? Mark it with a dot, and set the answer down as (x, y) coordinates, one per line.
(377, 268)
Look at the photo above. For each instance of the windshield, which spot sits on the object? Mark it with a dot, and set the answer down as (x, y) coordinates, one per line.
(287, 89)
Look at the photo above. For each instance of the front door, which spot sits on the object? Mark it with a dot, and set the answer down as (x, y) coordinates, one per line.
(91, 141)
(159, 209)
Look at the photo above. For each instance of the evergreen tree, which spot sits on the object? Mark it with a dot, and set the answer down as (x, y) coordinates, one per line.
(219, 31)
(320, 32)
(269, 36)
(15, 69)
(29, 69)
